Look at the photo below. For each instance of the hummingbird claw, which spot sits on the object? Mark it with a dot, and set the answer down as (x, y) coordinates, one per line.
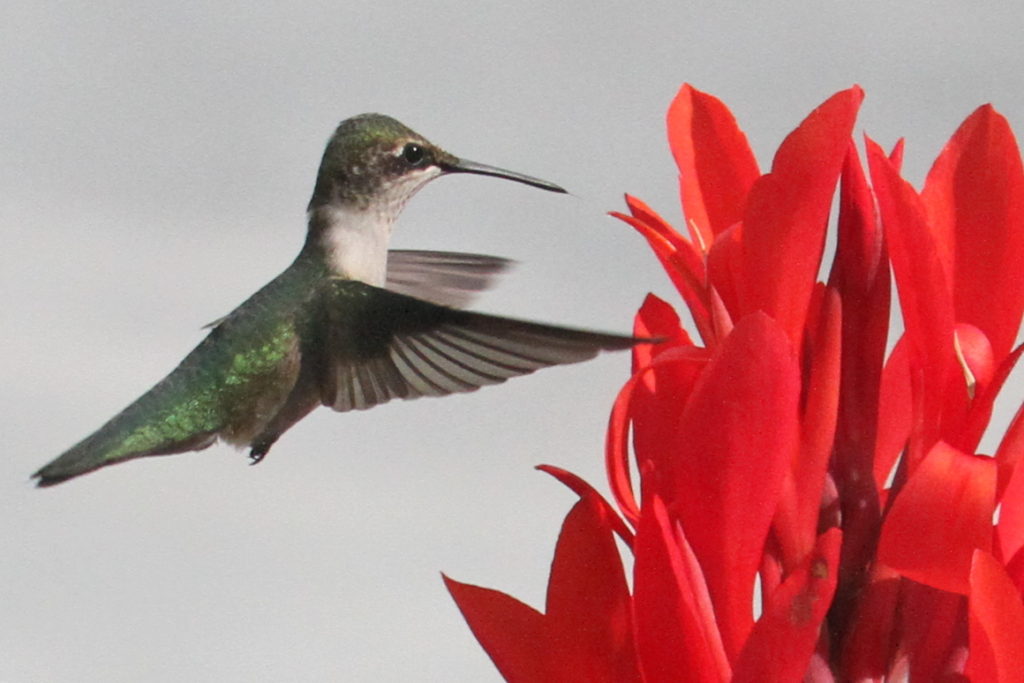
(257, 453)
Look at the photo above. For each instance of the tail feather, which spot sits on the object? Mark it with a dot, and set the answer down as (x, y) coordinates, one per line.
(161, 422)
(107, 446)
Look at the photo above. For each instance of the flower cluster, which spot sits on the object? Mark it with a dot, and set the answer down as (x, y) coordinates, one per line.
(809, 505)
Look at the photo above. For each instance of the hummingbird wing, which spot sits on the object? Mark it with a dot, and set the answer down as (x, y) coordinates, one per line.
(380, 345)
(442, 277)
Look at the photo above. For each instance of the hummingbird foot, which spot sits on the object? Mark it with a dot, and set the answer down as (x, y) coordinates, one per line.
(259, 451)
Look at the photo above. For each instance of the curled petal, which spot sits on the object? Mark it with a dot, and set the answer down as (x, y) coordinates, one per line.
(860, 274)
(651, 402)
(682, 264)
(584, 490)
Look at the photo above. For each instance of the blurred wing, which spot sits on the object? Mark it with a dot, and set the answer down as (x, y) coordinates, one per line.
(442, 277)
(379, 345)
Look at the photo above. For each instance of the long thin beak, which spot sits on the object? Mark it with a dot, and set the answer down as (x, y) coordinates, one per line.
(464, 166)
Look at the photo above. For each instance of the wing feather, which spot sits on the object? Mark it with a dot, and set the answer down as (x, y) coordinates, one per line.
(383, 345)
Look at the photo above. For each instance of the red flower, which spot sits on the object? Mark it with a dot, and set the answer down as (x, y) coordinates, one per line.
(765, 454)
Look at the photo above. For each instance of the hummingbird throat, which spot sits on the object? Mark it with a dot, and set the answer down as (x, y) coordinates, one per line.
(355, 242)
(355, 235)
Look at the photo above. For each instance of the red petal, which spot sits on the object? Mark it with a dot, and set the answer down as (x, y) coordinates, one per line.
(726, 462)
(683, 266)
(981, 407)
(974, 197)
(656, 318)
(1011, 448)
(924, 297)
(514, 635)
(609, 519)
(588, 604)
(651, 402)
(996, 619)
(796, 521)
(1010, 530)
(716, 166)
(896, 155)
(895, 412)
(641, 210)
(1015, 569)
(616, 451)
(784, 638)
(676, 633)
(787, 213)
(725, 268)
(942, 514)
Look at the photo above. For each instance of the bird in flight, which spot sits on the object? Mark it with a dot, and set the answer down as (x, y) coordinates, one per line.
(349, 324)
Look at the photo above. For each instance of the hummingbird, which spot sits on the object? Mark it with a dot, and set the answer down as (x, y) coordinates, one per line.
(349, 324)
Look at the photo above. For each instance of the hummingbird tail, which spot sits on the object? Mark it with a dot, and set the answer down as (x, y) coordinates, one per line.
(96, 451)
(149, 426)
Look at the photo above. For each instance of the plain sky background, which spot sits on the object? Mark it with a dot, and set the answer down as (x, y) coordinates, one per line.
(155, 163)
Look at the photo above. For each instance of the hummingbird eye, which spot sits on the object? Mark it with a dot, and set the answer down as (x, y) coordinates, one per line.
(414, 154)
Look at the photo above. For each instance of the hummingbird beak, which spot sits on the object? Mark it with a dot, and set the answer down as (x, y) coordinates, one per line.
(455, 165)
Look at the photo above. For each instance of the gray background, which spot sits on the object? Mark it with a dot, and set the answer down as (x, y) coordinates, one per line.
(155, 162)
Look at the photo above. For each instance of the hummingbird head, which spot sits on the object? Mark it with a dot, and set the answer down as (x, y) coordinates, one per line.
(372, 160)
